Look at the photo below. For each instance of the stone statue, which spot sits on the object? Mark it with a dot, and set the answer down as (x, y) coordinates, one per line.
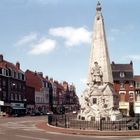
(96, 73)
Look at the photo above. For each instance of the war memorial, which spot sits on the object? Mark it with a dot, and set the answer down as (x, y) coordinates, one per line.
(99, 103)
(99, 100)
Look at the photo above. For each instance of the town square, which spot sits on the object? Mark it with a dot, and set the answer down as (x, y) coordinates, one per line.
(69, 70)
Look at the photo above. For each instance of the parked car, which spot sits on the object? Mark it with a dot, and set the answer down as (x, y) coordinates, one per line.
(74, 112)
(50, 113)
(133, 125)
(35, 113)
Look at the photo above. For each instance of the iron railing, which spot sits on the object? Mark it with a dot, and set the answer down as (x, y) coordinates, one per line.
(70, 121)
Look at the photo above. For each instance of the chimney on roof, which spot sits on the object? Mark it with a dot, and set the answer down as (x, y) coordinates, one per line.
(35, 73)
(113, 62)
(131, 63)
(55, 81)
(51, 79)
(1, 57)
(40, 73)
(18, 65)
(47, 77)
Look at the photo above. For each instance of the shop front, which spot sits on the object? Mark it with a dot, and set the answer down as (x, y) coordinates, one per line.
(124, 108)
(18, 109)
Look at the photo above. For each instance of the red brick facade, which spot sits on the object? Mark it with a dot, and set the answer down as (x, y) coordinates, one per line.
(12, 88)
(125, 86)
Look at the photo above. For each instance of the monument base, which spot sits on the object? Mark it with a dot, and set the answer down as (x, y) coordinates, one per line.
(97, 102)
(115, 116)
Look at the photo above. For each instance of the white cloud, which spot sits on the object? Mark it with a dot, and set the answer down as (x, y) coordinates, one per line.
(44, 46)
(73, 36)
(133, 57)
(27, 39)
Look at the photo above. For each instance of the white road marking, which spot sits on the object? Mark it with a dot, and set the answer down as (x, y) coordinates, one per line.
(28, 126)
(2, 133)
(29, 137)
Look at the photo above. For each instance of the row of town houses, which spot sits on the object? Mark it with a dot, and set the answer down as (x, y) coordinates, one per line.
(27, 92)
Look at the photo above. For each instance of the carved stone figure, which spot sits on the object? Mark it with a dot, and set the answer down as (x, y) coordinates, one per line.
(96, 73)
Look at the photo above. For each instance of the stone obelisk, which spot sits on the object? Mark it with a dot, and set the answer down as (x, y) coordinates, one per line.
(99, 99)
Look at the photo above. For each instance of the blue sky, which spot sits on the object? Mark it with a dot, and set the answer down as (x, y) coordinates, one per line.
(53, 36)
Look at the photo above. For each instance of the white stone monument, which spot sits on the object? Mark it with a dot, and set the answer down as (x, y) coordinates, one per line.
(99, 99)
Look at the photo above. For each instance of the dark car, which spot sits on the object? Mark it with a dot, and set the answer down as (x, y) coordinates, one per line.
(133, 125)
(35, 113)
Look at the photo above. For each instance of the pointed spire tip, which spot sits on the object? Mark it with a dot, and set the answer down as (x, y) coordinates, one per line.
(98, 8)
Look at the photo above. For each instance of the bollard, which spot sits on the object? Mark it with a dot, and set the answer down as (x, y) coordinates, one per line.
(50, 119)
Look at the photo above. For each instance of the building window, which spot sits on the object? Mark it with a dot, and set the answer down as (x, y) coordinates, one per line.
(122, 86)
(4, 95)
(16, 97)
(10, 73)
(7, 73)
(94, 100)
(19, 77)
(15, 75)
(131, 97)
(4, 72)
(137, 84)
(13, 85)
(19, 97)
(1, 71)
(12, 98)
(122, 97)
(23, 77)
(4, 82)
(131, 84)
(122, 74)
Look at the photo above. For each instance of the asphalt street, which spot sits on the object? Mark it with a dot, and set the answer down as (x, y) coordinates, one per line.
(23, 128)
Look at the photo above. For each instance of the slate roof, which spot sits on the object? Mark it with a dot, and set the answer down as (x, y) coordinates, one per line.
(127, 69)
(5, 64)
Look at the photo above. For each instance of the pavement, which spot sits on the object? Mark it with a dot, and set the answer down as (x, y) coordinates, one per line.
(49, 128)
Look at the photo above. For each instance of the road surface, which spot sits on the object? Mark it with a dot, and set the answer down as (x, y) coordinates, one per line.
(23, 128)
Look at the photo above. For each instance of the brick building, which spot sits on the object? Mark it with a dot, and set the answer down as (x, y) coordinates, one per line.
(27, 92)
(64, 98)
(123, 77)
(137, 87)
(41, 85)
(30, 99)
(12, 88)
(137, 94)
(71, 101)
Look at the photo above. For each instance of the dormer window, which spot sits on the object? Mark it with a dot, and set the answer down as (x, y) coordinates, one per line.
(14, 74)
(4, 72)
(122, 75)
(9, 72)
